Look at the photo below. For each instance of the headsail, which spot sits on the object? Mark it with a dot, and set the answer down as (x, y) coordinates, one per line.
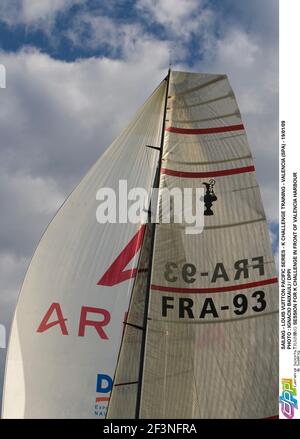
(69, 319)
(211, 345)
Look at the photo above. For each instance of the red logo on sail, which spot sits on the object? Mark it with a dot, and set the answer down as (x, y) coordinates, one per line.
(84, 320)
(116, 272)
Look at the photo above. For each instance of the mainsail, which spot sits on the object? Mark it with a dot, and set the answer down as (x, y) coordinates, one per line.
(184, 325)
(208, 345)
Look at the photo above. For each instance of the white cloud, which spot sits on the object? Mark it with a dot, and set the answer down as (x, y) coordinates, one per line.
(238, 49)
(181, 19)
(68, 108)
(12, 269)
(104, 31)
(33, 10)
(171, 13)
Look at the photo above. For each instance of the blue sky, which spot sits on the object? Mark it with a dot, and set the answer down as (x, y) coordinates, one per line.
(49, 29)
(77, 70)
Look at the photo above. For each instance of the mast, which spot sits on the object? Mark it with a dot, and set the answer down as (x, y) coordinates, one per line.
(156, 185)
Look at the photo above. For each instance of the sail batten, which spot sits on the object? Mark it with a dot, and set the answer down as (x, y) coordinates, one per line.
(232, 159)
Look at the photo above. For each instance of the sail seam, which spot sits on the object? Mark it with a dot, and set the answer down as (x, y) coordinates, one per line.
(244, 223)
(203, 322)
(199, 87)
(207, 119)
(198, 104)
(234, 159)
(221, 226)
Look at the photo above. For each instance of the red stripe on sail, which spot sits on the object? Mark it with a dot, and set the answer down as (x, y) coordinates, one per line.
(207, 174)
(102, 399)
(205, 130)
(259, 283)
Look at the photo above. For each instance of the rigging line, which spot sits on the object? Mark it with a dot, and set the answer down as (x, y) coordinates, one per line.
(147, 295)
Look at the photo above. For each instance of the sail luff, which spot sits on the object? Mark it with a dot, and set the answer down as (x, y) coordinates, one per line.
(156, 185)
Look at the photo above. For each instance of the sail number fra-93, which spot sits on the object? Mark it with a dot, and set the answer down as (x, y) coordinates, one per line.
(188, 272)
(202, 306)
(208, 308)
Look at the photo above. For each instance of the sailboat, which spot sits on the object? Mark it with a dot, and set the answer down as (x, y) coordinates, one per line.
(123, 320)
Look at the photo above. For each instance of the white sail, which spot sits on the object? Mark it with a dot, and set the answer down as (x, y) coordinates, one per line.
(68, 323)
(211, 344)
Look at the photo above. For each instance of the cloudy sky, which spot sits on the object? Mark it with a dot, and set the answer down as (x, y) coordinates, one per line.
(77, 70)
